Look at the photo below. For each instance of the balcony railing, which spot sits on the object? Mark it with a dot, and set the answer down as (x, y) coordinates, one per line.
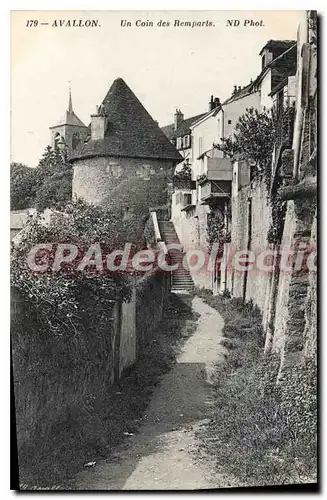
(215, 190)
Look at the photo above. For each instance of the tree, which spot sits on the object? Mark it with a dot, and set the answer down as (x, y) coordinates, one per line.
(183, 178)
(46, 186)
(22, 186)
(253, 140)
(54, 179)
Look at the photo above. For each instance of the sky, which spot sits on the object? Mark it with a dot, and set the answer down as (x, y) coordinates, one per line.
(166, 67)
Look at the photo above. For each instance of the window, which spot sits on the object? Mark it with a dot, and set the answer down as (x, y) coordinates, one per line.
(76, 140)
(114, 169)
(229, 122)
(187, 199)
(200, 146)
(179, 143)
(145, 172)
(186, 141)
(280, 102)
(57, 140)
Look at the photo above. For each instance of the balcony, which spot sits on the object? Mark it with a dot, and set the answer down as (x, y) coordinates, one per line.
(217, 169)
(216, 184)
(215, 191)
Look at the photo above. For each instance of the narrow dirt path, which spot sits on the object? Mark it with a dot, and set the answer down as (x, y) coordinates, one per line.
(164, 454)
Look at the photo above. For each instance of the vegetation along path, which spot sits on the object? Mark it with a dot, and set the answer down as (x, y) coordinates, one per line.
(164, 454)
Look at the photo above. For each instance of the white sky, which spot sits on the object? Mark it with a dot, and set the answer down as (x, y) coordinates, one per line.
(165, 67)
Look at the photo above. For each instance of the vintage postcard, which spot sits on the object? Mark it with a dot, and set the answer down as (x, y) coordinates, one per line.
(163, 237)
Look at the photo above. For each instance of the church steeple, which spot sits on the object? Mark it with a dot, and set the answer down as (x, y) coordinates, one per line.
(70, 104)
(70, 130)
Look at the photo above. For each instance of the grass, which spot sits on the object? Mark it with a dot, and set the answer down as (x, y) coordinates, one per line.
(93, 432)
(261, 433)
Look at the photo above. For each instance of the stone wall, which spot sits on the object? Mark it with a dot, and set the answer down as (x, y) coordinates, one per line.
(251, 218)
(141, 316)
(296, 318)
(311, 325)
(151, 297)
(287, 297)
(68, 132)
(94, 178)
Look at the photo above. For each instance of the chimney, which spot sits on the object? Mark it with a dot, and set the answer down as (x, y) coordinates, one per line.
(217, 102)
(214, 102)
(235, 89)
(178, 118)
(98, 124)
(239, 88)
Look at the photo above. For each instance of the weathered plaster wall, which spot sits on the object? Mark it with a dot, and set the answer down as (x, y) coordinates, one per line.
(265, 99)
(203, 137)
(234, 109)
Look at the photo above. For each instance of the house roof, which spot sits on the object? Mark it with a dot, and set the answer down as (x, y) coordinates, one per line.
(282, 66)
(18, 218)
(130, 132)
(206, 115)
(248, 89)
(183, 128)
(69, 119)
(278, 45)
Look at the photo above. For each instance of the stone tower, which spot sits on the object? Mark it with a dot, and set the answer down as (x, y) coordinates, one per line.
(70, 130)
(125, 142)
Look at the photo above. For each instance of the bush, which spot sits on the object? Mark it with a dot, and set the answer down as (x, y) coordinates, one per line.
(63, 339)
(262, 433)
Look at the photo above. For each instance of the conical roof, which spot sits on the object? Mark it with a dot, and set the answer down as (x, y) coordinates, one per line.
(131, 131)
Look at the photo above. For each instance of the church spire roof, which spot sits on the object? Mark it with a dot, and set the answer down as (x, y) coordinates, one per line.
(70, 104)
(69, 118)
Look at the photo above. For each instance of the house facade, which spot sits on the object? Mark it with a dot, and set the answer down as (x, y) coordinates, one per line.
(251, 210)
(216, 188)
(285, 293)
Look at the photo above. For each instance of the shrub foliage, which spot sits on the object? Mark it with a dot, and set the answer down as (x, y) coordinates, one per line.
(261, 433)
